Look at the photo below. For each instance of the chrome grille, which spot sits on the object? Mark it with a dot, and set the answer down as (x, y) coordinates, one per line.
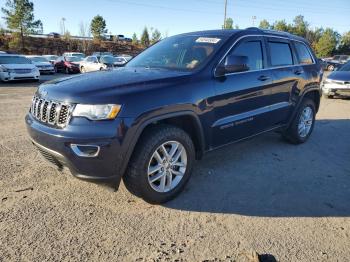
(51, 112)
(22, 71)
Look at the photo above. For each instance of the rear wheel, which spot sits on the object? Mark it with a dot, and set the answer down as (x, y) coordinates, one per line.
(67, 70)
(161, 164)
(302, 126)
(83, 70)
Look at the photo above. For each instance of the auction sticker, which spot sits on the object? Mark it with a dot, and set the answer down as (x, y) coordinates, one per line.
(210, 40)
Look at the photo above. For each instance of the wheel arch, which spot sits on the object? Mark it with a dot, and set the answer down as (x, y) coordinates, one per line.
(186, 120)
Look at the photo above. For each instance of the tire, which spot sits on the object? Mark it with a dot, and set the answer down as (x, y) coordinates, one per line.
(66, 70)
(138, 176)
(293, 134)
(82, 70)
(330, 67)
(101, 68)
(56, 69)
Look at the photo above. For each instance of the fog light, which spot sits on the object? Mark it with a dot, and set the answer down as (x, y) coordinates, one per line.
(85, 150)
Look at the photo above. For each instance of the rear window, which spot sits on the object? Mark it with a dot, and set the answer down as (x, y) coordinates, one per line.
(303, 53)
(280, 54)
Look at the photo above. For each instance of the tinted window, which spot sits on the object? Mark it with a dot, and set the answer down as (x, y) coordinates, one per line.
(253, 51)
(303, 53)
(281, 54)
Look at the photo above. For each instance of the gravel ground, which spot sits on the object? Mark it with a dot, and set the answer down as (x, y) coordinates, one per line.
(285, 202)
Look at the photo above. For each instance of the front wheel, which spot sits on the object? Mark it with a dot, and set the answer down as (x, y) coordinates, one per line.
(302, 125)
(67, 70)
(161, 164)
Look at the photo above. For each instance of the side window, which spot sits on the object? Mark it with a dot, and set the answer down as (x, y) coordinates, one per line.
(280, 53)
(89, 59)
(303, 53)
(252, 50)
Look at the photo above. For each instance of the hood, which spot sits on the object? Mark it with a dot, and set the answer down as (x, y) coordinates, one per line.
(340, 76)
(19, 66)
(105, 86)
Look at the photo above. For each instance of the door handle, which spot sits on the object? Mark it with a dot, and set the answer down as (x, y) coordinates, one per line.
(263, 78)
(298, 72)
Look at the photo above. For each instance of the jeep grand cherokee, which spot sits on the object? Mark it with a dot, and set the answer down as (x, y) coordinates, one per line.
(146, 123)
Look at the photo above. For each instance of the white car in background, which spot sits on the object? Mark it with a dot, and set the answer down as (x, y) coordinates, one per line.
(45, 67)
(121, 60)
(77, 54)
(96, 63)
(51, 58)
(16, 67)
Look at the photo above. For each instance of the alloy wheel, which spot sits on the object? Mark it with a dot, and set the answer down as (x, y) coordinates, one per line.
(305, 122)
(167, 166)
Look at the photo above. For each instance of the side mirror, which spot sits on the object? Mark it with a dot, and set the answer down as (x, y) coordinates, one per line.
(235, 63)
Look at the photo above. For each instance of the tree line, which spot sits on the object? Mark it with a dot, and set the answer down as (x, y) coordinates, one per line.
(324, 41)
(20, 20)
(19, 17)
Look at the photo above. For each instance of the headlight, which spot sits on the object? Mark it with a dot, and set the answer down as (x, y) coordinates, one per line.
(97, 112)
(327, 81)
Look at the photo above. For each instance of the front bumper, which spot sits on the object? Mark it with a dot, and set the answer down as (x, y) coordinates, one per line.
(49, 70)
(336, 89)
(56, 146)
(5, 76)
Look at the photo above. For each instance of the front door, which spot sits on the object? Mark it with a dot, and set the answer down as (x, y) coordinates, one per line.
(242, 99)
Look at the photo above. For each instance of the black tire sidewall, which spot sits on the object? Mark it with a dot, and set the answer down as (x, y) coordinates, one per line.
(145, 154)
(305, 103)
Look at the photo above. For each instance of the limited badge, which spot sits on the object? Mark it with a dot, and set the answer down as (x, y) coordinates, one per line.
(210, 40)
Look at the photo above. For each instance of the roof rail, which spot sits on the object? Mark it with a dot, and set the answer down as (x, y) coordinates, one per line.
(271, 31)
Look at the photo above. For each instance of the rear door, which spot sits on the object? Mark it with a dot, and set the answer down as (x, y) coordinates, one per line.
(242, 99)
(287, 78)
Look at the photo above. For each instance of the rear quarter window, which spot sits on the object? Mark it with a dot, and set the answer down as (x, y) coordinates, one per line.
(303, 53)
(280, 54)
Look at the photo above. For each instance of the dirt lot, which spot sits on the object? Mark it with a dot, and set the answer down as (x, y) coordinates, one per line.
(289, 202)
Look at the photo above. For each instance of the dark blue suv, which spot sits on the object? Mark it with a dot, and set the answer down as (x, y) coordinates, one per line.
(146, 123)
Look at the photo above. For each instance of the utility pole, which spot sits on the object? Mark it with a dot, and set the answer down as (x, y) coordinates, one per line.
(224, 27)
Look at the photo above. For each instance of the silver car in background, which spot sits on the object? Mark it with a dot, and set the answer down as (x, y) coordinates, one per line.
(17, 67)
(338, 82)
(45, 67)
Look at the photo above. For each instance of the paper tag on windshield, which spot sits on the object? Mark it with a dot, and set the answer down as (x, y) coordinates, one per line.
(210, 40)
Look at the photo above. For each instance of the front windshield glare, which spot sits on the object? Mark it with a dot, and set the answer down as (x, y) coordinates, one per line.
(179, 52)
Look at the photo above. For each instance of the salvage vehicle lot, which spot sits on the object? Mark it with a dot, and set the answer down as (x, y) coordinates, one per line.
(265, 195)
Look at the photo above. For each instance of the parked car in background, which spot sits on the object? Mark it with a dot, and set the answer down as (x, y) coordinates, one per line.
(96, 63)
(77, 54)
(51, 58)
(53, 35)
(16, 67)
(120, 61)
(186, 95)
(101, 53)
(335, 62)
(67, 64)
(45, 67)
(120, 37)
(338, 82)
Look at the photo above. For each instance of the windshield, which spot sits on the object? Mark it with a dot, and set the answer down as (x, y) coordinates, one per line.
(179, 52)
(107, 59)
(51, 57)
(345, 67)
(14, 60)
(38, 59)
(73, 58)
(78, 55)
